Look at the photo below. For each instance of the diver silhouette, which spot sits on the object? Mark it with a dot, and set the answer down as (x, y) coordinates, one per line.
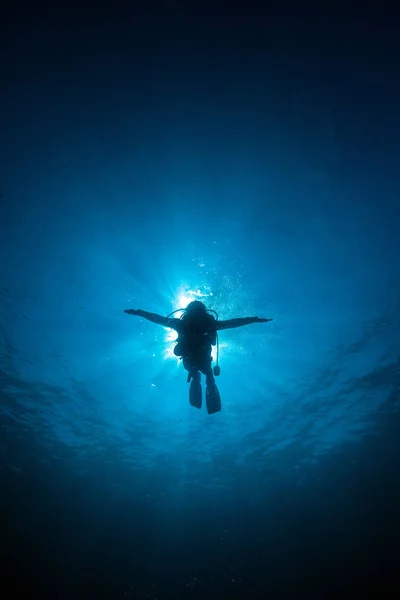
(197, 331)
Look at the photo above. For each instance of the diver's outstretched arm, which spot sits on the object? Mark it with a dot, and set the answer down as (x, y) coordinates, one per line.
(231, 323)
(153, 317)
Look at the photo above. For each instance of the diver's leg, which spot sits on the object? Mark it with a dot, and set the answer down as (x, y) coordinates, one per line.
(213, 399)
(210, 379)
(195, 395)
(189, 368)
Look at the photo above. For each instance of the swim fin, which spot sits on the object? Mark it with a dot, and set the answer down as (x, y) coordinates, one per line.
(195, 395)
(213, 399)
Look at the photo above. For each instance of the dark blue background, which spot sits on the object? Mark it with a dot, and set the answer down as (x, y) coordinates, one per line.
(151, 154)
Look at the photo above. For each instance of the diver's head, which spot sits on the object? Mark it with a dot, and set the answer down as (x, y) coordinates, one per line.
(195, 307)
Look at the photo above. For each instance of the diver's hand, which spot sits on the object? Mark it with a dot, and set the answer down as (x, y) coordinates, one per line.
(259, 320)
(132, 311)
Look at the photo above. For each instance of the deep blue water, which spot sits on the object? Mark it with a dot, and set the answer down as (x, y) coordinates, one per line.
(249, 162)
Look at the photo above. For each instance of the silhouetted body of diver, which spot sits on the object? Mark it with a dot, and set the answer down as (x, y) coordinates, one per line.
(197, 332)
